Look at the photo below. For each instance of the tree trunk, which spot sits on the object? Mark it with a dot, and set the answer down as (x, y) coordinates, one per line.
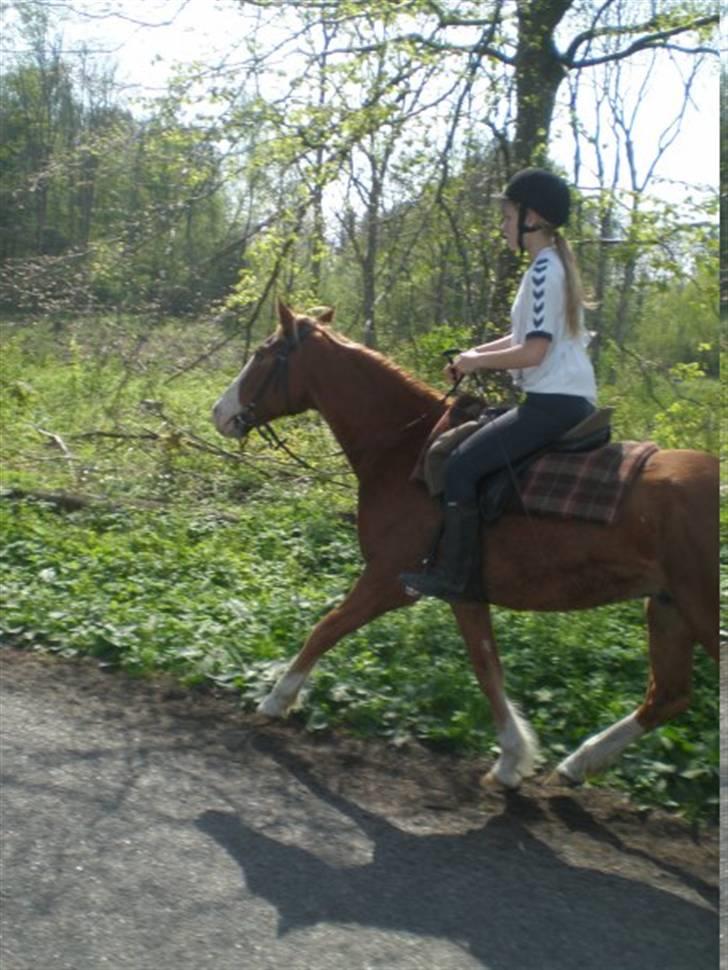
(539, 73)
(369, 268)
(602, 270)
(369, 262)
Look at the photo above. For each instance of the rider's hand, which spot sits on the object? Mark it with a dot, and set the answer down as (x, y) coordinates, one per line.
(466, 362)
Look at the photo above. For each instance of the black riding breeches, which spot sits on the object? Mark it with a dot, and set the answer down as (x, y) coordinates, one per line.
(540, 420)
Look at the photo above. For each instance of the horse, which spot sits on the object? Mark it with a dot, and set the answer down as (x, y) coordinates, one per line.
(662, 546)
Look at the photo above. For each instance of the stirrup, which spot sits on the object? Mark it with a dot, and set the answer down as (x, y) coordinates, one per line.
(472, 590)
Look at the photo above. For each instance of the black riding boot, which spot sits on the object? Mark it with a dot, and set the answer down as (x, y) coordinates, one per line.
(456, 574)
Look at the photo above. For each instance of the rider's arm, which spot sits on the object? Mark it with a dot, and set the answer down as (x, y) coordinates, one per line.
(500, 343)
(528, 354)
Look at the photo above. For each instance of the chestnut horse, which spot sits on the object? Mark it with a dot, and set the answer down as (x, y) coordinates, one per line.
(663, 545)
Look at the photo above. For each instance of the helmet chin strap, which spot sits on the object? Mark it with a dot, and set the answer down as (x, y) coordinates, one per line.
(523, 228)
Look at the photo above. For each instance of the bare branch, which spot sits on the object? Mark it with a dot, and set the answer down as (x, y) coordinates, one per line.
(656, 39)
(82, 13)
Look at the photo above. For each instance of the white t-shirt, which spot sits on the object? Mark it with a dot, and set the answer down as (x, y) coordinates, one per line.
(539, 310)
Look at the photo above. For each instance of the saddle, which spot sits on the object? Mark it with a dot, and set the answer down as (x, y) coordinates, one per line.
(496, 491)
(581, 475)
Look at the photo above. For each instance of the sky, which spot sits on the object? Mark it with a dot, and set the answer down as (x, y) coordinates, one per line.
(190, 30)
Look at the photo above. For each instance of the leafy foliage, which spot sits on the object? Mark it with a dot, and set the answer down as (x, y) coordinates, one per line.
(364, 174)
(677, 406)
(228, 604)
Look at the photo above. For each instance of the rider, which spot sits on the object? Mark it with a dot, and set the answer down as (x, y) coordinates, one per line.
(546, 355)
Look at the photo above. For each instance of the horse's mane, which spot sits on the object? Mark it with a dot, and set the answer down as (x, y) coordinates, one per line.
(379, 360)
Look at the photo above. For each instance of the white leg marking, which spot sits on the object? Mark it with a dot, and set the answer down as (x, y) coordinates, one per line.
(601, 749)
(283, 695)
(519, 750)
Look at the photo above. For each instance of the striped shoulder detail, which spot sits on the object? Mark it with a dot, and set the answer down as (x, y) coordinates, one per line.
(538, 282)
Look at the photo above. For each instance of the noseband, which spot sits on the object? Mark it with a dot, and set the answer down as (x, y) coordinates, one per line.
(277, 376)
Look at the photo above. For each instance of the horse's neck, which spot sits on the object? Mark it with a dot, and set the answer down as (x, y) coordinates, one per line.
(371, 407)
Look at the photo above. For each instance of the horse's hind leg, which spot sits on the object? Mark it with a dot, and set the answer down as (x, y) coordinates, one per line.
(367, 599)
(518, 744)
(698, 601)
(671, 641)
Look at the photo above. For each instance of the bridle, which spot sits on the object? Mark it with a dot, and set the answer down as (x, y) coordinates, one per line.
(277, 377)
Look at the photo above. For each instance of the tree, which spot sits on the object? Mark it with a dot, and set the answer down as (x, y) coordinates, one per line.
(724, 191)
(368, 137)
(502, 64)
(96, 207)
(524, 38)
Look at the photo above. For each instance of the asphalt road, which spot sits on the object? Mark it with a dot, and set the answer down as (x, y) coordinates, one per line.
(151, 829)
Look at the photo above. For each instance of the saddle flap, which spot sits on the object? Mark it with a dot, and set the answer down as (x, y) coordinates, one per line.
(593, 432)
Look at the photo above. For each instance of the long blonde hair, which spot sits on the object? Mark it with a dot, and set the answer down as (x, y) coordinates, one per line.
(575, 301)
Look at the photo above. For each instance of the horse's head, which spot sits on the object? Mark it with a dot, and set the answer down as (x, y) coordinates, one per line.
(267, 387)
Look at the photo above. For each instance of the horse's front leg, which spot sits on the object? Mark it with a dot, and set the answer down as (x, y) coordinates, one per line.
(370, 597)
(518, 743)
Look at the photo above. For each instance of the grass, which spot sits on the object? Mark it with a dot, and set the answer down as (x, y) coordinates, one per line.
(212, 565)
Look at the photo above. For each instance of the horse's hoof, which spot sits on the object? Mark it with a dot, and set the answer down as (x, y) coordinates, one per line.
(496, 779)
(270, 708)
(563, 775)
(258, 719)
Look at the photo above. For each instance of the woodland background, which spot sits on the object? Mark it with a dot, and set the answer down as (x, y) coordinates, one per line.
(346, 154)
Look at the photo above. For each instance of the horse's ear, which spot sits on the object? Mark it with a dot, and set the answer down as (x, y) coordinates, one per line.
(287, 320)
(325, 314)
(321, 314)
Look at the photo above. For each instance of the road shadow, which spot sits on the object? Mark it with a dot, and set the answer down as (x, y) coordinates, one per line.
(577, 819)
(497, 891)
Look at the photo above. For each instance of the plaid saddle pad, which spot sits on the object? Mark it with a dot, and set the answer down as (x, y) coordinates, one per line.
(586, 485)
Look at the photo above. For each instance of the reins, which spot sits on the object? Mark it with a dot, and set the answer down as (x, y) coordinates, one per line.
(246, 419)
(425, 414)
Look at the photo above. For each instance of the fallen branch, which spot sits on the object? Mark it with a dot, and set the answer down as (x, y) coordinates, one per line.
(62, 447)
(69, 502)
(196, 443)
(64, 501)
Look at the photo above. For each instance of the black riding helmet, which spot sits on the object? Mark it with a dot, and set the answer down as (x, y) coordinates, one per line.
(544, 193)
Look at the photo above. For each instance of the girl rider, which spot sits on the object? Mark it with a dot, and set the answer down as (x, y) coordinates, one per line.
(546, 355)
